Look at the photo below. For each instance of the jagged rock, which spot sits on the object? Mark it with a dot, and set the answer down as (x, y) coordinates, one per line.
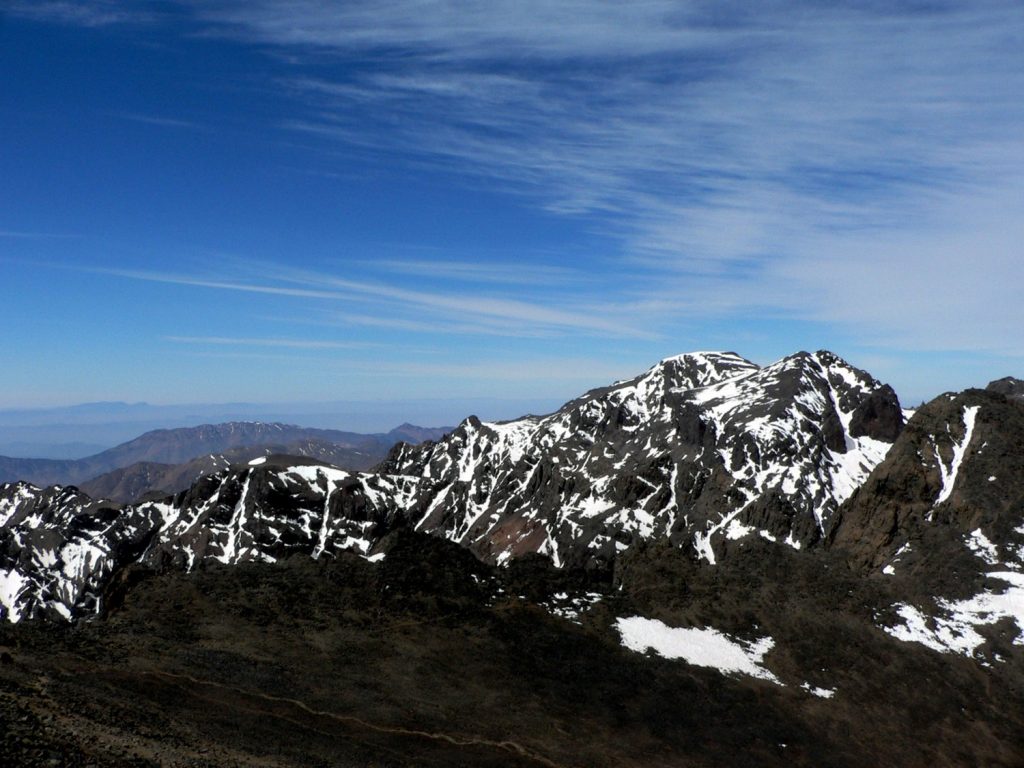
(956, 469)
(678, 451)
(878, 416)
(1008, 385)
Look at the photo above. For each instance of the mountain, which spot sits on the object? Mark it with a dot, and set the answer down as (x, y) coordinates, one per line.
(699, 448)
(178, 446)
(1007, 386)
(710, 563)
(702, 449)
(943, 517)
(129, 483)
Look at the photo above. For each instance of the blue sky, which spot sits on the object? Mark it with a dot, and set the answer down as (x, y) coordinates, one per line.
(502, 201)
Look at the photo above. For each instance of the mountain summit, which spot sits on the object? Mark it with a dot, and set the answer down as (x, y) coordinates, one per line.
(701, 447)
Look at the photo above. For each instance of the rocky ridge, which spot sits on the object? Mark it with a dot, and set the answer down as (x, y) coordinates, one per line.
(700, 449)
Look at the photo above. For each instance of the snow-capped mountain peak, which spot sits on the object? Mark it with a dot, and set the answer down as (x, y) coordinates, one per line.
(702, 449)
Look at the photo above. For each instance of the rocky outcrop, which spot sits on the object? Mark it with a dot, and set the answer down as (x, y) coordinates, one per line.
(956, 472)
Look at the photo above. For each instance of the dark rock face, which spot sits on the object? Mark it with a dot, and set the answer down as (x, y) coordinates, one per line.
(1007, 386)
(878, 416)
(957, 467)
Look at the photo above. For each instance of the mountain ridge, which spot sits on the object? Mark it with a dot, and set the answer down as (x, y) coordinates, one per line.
(701, 448)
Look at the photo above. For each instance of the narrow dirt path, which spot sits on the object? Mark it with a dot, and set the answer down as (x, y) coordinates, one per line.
(458, 741)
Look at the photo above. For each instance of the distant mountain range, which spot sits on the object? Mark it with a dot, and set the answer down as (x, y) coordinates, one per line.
(171, 459)
(74, 432)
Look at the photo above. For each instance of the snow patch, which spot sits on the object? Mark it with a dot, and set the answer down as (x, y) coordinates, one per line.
(12, 584)
(567, 606)
(737, 530)
(701, 647)
(982, 547)
(824, 693)
(959, 451)
(956, 630)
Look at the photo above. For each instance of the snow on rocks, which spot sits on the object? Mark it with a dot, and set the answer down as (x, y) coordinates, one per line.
(12, 586)
(642, 458)
(949, 474)
(772, 426)
(700, 647)
(697, 449)
(822, 693)
(982, 547)
(567, 606)
(955, 627)
(58, 547)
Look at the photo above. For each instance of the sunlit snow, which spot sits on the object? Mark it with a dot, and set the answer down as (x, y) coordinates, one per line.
(823, 693)
(982, 547)
(12, 584)
(950, 473)
(701, 647)
(954, 630)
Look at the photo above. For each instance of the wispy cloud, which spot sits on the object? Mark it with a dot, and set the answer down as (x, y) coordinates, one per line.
(583, 371)
(516, 315)
(226, 341)
(23, 235)
(413, 324)
(85, 13)
(719, 142)
(166, 122)
(478, 272)
(853, 164)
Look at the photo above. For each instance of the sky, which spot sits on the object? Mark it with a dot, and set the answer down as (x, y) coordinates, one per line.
(501, 203)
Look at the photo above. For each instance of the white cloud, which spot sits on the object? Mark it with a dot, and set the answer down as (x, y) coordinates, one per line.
(817, 162)
(855, 165)
(84, 13)
(477, 272)
(166, 122)
(516, 316)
